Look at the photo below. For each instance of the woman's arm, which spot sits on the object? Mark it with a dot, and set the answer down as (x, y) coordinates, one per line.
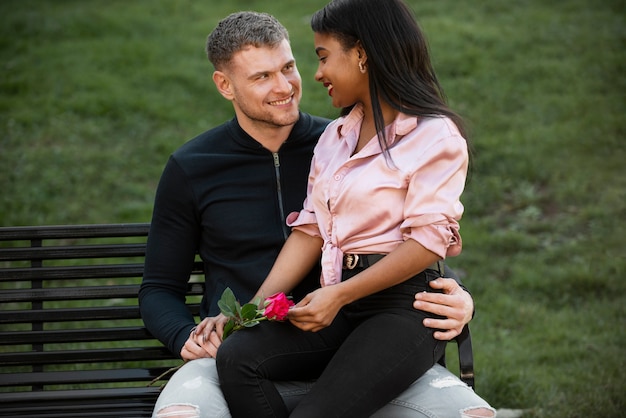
(318, 309)
(297, 257)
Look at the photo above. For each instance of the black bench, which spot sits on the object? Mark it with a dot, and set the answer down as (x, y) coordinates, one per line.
(72, 343)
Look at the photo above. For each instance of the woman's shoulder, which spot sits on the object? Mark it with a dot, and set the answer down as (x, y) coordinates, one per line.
(441, 123)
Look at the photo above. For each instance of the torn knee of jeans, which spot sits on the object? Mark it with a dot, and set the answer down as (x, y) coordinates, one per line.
(179, 411)
(478, 412)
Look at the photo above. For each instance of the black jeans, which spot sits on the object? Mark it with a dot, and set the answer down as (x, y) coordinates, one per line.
(374, 349)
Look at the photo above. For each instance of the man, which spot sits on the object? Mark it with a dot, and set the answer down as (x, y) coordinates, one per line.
(226, 194)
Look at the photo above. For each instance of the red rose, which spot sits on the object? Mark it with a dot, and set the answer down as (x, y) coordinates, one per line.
(274, 308)
(277, 307)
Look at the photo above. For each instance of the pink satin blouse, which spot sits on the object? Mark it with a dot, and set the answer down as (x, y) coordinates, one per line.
(367, 204)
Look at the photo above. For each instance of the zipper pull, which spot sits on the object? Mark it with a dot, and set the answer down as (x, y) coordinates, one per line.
(276, 159)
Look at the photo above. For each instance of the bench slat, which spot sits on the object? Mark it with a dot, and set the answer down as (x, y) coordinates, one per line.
(72, 252)
(81, 293)
(73, 314)
(85, 395)
(70, 293)
(126, 402)
(69, 314)
(75, 335)
(134, 410)
(112, 355)
(27, 233)
(126, 410)
(79, 272)
(73, 272)
(123, 408)
(81, 376)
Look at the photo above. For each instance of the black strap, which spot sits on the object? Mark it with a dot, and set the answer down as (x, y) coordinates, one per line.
(466, 356)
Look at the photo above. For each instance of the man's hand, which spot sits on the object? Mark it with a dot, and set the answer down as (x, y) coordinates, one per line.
(205, 339)
(455, 304)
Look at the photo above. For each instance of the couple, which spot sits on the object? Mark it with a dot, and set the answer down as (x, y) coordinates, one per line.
(228, 193)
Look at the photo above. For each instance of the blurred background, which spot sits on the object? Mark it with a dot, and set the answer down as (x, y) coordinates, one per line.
(95, 95)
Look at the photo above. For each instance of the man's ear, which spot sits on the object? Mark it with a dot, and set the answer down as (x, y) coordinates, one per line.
(222, 82)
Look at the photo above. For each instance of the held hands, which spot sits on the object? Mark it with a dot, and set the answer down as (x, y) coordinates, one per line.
(455, 304)
(204, 339)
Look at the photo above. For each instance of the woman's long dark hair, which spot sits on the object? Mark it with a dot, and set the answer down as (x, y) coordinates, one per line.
(400, 70)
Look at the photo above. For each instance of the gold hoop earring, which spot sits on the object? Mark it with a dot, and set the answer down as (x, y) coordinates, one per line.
(362, 67)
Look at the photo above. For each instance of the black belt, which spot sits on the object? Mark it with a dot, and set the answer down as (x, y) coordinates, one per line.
(352, 261)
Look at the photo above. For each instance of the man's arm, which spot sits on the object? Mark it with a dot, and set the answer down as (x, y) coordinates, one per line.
(171, 248)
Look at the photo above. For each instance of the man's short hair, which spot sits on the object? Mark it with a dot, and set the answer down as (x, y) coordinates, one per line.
(239, 30)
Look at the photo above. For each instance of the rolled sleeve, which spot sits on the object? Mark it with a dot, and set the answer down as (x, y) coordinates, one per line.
(433, 206)
(441, 238)
(304, 221)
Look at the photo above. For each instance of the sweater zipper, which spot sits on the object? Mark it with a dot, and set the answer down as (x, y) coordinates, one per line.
(280, 195)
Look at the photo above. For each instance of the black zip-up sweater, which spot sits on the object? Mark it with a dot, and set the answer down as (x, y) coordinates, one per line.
(226, 196)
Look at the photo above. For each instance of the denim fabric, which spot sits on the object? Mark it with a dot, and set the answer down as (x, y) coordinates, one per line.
(437, 394)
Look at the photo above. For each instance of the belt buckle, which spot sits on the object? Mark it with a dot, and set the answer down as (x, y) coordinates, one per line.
(351, 261)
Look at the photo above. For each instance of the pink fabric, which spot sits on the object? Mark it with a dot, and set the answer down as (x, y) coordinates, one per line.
(368, 205)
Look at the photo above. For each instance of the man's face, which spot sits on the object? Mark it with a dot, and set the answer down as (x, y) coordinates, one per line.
(265, 86)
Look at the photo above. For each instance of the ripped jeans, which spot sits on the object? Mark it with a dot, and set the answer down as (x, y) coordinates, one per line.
(437, 394)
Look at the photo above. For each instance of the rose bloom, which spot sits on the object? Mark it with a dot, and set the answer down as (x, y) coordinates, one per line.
(277, 307)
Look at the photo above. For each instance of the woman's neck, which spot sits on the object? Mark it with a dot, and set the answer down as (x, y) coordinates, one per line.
(368, 127)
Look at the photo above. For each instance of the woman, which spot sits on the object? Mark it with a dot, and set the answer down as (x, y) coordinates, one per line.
(383, 206)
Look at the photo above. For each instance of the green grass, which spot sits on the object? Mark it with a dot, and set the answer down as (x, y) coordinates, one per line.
(95, 95)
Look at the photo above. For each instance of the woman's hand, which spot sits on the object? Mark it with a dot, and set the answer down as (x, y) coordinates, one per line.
(455, 304)
(205, 339)
(317, 310)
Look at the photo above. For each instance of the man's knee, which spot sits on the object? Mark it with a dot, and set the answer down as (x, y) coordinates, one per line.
(193, 391)
(178, 411)
(478, 413)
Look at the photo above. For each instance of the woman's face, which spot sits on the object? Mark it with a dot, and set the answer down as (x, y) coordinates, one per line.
(338, 70)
